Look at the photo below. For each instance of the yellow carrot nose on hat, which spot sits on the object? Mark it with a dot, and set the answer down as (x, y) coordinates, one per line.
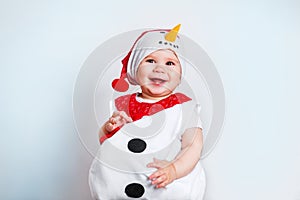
(171, 36)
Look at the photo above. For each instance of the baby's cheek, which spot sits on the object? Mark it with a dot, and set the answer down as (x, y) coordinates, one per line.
(176, 75)
(141, 81)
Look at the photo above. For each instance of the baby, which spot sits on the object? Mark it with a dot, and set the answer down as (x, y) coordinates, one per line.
(160, 161)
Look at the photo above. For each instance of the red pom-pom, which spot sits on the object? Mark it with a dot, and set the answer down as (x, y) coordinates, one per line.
(120, 85)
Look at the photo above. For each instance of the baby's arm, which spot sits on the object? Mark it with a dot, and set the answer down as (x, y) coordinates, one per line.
(118, 119)
(191, 147)
(184, 162)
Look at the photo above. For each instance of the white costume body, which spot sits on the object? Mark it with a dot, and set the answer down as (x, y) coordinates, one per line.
(115, 166)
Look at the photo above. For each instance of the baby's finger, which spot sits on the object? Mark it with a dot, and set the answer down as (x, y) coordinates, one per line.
(117, 120)
(159, 180)
(156, 174)
(112, 120)
(129, 119)
(152, 165)
(115, 113)
(109, 127)
(125, 116)
(162, 185)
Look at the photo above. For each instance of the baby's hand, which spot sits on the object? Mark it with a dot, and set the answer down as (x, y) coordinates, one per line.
(165, 174)
(118, 119)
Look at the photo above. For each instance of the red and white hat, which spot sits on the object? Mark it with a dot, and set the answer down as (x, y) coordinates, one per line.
(146, 43)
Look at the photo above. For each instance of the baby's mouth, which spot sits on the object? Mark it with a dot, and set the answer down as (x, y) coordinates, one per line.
(157, 81)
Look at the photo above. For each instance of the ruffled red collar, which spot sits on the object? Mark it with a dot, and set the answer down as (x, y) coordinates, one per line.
(136, 110)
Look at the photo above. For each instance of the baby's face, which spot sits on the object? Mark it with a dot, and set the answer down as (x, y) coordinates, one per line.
(159, 73)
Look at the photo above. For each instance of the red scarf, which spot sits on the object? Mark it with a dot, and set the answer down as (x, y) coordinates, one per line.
(136, 110)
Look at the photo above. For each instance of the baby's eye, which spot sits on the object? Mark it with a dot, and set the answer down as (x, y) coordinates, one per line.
(150, 61)
(170, 63)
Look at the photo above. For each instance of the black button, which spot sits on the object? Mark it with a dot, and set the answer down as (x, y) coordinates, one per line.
(134, 190)
(136, 145)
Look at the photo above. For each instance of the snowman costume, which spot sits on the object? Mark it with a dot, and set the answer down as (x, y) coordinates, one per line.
(119, 169)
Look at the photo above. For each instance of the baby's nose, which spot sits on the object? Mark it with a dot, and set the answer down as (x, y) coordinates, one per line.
(159, 69)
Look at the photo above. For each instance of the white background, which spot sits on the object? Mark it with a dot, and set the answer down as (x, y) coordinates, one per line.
(254, 44)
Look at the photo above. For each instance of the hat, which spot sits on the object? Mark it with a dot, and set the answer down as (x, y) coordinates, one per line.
(148, 42)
